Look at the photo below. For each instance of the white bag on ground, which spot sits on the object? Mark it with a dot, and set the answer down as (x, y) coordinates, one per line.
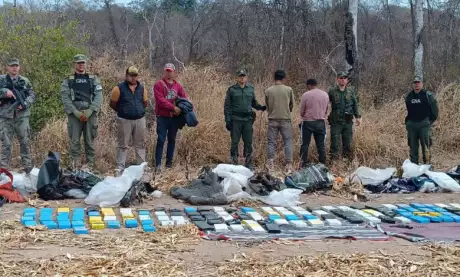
(369, 176)
(235, 177)
(284, 198)
(109, 192)
(444, 181)
(412, 170)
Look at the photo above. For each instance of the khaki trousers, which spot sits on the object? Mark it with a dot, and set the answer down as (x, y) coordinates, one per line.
(130, 131)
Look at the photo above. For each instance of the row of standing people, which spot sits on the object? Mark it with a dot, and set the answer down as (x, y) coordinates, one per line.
(81, 95)
(339, 107)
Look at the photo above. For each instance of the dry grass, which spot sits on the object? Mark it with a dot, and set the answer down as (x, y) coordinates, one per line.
(380, 141)
(443, 261)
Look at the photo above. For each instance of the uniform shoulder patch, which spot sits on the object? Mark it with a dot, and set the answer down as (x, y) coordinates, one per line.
(98, 87)
(71, 77)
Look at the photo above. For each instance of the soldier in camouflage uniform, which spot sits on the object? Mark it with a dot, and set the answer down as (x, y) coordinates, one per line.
(14, 117)
(81, 94)
(344, 107)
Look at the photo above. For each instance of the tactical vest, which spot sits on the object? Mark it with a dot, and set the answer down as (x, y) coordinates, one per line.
(131, 105)
(81, 87)
(342, 106)
(418, 107)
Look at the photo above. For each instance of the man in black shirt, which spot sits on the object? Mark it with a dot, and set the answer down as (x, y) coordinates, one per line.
(422, 112)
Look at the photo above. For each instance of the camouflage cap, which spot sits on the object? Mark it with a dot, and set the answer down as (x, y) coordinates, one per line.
(80, 58)
(241, 72)
(13, 61)
(342, 74)
(417, 79)
(170, 67)
(132, 70)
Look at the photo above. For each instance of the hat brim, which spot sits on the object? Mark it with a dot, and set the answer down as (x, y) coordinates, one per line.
(170, 69)
(11, 64)
(242, 74)
(416, 81)
(133, 74)
(80, 61)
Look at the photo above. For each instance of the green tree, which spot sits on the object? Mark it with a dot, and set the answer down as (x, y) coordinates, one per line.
(46, 55)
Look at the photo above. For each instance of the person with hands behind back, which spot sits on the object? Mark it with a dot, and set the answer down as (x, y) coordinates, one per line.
(166, 91)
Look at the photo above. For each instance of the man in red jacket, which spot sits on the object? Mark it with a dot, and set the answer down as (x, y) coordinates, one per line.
(166, 91)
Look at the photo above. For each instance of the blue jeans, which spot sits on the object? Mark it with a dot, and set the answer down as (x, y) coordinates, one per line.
(166, 128)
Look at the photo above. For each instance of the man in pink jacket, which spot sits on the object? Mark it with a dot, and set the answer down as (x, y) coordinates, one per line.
(166, 91)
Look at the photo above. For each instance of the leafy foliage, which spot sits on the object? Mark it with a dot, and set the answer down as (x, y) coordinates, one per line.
(45, 53)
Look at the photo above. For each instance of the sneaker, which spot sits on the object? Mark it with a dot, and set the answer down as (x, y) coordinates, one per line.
(289, 167)
(168, 165)
(157, 170)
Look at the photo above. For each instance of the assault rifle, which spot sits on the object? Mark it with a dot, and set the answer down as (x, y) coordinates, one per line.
(18, 95)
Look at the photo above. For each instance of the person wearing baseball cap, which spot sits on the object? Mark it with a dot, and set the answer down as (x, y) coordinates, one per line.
(239, 116)
(422, 112)
(166, 92)
(344, 108)
(16, 99)
(81, 95)
(129, 100)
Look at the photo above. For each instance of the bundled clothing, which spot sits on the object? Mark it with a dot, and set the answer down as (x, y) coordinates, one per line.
(187, 116)
(422, 111)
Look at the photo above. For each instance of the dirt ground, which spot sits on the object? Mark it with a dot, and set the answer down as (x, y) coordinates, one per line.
(208, 253)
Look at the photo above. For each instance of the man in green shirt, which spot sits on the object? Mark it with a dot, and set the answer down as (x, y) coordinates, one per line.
(239, 101)
(344, 107)
(422, 112)
(279, 99)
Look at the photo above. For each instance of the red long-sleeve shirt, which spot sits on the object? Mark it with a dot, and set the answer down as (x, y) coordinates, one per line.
(165, 96)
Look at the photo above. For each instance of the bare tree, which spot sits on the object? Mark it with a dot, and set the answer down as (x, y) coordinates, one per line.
(351, 40)
(418, 37)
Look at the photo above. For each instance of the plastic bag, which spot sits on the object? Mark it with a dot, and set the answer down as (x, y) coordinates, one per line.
(76, 193)
(369, 176)
(444, 181)
(109, 192)
(311, 178)
(412, 170)
(235, 177)
(284, 198)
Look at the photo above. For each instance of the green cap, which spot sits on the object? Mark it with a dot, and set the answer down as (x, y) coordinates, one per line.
(241, 72)
(132, 70)
(342, 74)
(79, 58)
(13, 61)
(418, 79)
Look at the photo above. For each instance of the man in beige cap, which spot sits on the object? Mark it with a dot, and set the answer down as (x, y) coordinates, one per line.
(129, 100)
(81, 94)
(16, 99)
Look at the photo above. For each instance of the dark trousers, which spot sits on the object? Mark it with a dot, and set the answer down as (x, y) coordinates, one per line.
(419, 133)
(342, 131)
(166, 128)
(316, 128)
(242, 129)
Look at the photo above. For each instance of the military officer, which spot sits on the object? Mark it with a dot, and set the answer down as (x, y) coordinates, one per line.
(16, 99)
(239, 118)
(81, 94)
(422, 112)
(344, 108)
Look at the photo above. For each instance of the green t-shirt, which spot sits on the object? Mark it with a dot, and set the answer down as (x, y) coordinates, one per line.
(280, 101)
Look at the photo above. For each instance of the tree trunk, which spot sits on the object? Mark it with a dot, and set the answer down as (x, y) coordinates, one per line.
(112, 23)
(418, 38)
(351, 42)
